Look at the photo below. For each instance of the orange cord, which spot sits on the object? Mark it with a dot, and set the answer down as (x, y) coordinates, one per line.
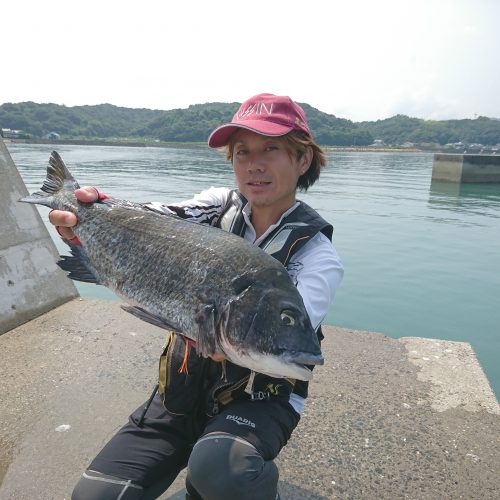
(184, 366)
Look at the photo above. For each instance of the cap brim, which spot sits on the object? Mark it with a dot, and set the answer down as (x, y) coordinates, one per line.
(221, 135)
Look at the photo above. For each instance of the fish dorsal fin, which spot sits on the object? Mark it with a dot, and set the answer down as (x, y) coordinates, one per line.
(57, 174)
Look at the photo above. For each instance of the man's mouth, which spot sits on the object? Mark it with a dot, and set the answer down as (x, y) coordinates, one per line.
(258, 183)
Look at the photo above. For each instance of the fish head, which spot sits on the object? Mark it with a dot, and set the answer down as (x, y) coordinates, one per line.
(266, 327)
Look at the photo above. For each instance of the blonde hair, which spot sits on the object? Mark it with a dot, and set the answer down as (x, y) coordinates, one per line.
(296, 143)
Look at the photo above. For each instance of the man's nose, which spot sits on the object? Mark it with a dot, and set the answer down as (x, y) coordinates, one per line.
(256, 163)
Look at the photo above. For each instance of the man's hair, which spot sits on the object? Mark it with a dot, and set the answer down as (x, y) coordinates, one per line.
(296, 143)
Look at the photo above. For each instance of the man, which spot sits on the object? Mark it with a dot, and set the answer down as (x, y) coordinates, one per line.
(226, 425)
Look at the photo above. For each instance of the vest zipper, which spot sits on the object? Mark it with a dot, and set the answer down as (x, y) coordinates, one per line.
(226, 389)
(168, 361)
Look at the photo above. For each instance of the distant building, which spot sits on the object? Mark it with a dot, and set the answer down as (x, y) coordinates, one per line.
(378, 142)
(8, 133)
(475, 146)
(456, 146)
(52, 135)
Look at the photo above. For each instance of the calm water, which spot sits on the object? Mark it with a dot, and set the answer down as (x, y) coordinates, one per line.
(422, 259)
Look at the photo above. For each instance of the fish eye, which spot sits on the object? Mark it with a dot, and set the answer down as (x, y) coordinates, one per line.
(287, 318)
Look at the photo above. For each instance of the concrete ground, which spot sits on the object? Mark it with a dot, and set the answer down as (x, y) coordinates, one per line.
(386, 418)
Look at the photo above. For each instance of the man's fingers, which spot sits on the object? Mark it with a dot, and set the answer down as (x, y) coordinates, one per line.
(65, 232)
(218, 357)
(87, 194)
(62, 218)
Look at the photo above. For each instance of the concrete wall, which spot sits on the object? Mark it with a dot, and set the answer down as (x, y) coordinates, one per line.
(30, 281)
(466, 168)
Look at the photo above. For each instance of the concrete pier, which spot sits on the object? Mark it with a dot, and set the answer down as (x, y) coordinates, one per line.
(386, 418)
(30, 281)
(466, 168)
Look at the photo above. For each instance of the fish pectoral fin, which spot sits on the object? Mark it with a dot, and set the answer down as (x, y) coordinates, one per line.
(205, 318)
(77, 265)
(148, 317)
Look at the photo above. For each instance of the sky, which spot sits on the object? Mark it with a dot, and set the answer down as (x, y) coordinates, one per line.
(356, 59)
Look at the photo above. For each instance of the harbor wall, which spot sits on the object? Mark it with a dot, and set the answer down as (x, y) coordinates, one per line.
(466, 168)
(30, 281)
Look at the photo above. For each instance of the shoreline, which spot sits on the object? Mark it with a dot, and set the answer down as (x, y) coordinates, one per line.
(136, 144)
(102, 142)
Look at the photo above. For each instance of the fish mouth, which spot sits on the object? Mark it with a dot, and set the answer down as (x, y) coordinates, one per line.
(289, 370)
(280, 364)
(301, 364)
(288, 365)
(301, 358)
(304, 371)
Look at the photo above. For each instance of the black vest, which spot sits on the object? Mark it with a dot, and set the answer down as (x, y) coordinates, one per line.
(294, 231)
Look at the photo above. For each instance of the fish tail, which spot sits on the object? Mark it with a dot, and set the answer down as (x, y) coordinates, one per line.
(58, 179)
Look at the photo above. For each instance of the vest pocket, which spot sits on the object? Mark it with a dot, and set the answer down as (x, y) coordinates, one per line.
(178, 389)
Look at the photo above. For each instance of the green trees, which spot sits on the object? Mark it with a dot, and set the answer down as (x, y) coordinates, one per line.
(194, 124)
(400, 129)
(89, 122)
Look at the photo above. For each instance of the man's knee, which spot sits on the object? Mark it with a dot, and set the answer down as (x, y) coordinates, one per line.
(223, 466)
(96, 486)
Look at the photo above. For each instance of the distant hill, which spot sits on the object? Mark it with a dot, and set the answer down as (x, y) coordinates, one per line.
(85, 122)
(193, 124)
(400, 129)
(197, 121)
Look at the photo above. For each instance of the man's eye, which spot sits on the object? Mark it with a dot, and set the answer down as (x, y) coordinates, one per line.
(241, 152)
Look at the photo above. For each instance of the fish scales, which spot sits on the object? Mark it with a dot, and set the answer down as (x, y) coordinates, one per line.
(172, 266)
(204, 283)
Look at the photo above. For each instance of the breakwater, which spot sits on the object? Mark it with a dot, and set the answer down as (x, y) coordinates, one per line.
(466, 168)
(31, 283)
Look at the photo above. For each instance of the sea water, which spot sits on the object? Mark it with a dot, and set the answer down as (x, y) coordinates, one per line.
(421, 258)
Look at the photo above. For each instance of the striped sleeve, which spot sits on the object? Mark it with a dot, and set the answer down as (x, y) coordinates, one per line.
(204, 208)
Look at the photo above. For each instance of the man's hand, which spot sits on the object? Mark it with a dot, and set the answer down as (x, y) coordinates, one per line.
(63, 220)
(218, 357)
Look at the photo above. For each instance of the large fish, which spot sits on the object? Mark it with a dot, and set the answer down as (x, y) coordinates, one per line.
(202, 282)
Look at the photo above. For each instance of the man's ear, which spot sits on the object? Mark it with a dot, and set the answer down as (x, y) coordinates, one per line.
(306, 160)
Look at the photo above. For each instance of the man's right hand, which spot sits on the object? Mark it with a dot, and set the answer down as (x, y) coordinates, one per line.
(66, 220)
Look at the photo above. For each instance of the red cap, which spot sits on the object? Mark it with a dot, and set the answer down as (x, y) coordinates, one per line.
(266, 114)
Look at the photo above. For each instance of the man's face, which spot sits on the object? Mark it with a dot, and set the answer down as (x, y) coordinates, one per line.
(266, 173)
